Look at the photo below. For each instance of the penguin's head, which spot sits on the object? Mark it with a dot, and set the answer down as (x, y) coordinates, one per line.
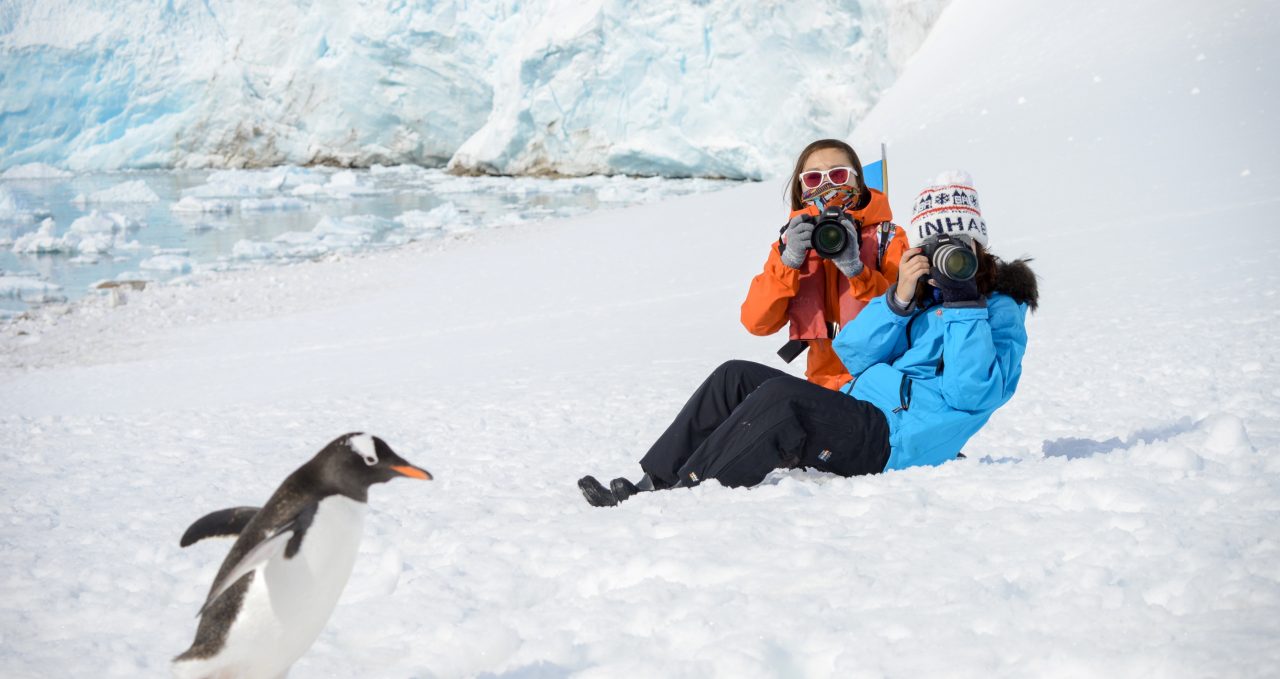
(353, 462)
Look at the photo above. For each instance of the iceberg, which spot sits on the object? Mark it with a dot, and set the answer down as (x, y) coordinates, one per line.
(544, 87)
(34, 171)
(135, 191)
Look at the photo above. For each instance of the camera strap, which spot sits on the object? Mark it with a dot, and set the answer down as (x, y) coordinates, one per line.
(793, 348)
(886, 231)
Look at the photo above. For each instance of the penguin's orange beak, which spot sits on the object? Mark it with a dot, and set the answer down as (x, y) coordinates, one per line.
(412, 472)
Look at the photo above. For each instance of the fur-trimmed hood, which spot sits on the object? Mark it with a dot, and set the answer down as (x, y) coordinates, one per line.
(1017, 280)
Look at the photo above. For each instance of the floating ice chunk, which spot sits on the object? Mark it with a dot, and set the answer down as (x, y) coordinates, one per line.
(308, 190)
(134, 279)
(394, 169)
(344, 178)
(43, 242)
(276, 203)
(93, 245)
(167, 263)
(251, 249)
(438, 218)
(329, 235)
(296, 238)
(463, 184)
(34, 171)
(94, 222)
(193, 204)
(108, 223)
(26, 288)
(404, 237)
(98, 222)
(135, 191)
(371, 223)
(297, 176)
(258, 180)
(511, 218)
(346, 184)
(253, 183)
(350, 231)
(13, 209)
(619, 194)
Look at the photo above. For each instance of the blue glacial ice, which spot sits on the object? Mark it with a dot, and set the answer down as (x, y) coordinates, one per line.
(723, 89)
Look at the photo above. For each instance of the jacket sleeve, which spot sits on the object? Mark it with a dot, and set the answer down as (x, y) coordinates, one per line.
(876, 335)
(982, 352)
(765, 310)
(869, 284)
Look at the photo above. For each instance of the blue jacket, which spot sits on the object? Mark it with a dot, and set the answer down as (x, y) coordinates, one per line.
(937, 373)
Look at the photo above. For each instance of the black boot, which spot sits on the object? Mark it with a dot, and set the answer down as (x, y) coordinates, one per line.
(597, 495)
(623, 489)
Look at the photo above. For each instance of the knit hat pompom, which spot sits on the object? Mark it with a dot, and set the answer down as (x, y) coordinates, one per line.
(948, 205)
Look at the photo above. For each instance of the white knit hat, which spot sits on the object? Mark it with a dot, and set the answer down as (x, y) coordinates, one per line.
(948, 205)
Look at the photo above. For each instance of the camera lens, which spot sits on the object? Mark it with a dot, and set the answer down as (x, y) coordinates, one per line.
(956, 262)
(829, 238)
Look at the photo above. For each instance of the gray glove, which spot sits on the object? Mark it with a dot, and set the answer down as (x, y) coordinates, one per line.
(849, 261)
(799, 236)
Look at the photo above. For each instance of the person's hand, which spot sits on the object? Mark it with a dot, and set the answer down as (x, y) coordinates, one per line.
(798, 237)
(849, 260)
(913, 267)
(956, 293)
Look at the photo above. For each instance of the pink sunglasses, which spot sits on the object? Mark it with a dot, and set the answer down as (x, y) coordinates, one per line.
(838, 175)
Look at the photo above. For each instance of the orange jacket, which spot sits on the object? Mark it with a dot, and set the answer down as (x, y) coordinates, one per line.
(765, 310)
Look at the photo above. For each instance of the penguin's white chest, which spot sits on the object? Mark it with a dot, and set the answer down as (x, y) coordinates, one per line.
(290, 599)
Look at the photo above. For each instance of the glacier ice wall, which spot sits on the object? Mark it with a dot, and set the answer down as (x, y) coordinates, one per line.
(702, 88)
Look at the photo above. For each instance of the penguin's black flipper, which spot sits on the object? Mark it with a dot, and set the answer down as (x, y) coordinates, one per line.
(286, 539)
(222, 523)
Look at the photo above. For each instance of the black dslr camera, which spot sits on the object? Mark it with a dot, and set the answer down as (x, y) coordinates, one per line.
(950, 256)
(830, 238)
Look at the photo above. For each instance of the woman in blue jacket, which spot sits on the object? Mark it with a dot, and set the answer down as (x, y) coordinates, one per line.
(932, 359)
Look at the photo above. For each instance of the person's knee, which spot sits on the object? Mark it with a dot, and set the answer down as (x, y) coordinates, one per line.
(776, 388)
(731, 371)
(734, 366)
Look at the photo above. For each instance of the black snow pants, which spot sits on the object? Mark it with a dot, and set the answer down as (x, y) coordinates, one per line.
(748, 419)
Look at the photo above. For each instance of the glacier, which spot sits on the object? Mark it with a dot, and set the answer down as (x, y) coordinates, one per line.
(540, 87)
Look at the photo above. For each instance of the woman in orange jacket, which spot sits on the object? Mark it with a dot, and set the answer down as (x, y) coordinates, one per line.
(818, 295)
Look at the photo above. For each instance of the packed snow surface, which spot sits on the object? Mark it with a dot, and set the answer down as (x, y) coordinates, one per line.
(724, 89)
(1119, 517)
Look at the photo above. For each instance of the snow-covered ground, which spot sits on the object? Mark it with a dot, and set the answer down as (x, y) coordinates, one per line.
(1120, 517)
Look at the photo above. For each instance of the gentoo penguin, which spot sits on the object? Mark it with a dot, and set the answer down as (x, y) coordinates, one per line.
(281, 580)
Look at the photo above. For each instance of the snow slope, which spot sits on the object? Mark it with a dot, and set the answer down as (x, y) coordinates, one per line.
(514, 87)
(1118, 518)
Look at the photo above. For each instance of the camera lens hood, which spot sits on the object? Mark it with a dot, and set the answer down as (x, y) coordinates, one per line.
(956, 262)
(830, 237)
